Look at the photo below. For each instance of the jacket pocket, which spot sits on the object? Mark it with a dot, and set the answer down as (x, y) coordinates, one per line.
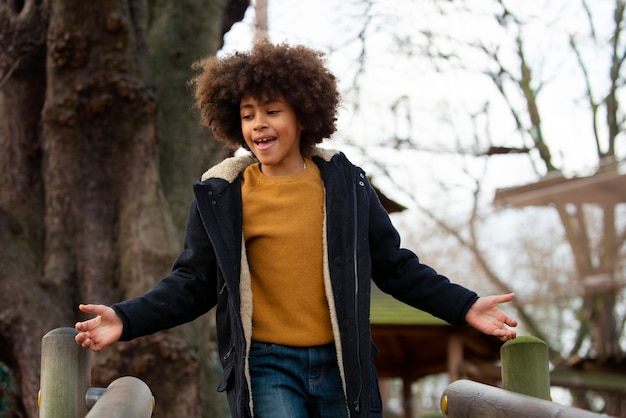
(228, 377)
(376, 402)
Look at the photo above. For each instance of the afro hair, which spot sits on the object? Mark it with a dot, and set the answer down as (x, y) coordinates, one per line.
(296, 73)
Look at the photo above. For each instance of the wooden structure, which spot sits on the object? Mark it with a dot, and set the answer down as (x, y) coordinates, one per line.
(602, 188)
(65, 380)
(606, 188)
(525, 391)
(467, 399)
(414, 344)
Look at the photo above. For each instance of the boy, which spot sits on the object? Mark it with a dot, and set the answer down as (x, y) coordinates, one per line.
(286, 241)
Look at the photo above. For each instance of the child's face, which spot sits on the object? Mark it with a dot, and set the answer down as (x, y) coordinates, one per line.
(272, 132)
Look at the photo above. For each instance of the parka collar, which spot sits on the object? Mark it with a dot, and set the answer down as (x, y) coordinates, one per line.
(230, 168)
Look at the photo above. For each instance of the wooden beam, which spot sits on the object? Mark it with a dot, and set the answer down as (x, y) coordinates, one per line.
(455, 357)
(602, 188)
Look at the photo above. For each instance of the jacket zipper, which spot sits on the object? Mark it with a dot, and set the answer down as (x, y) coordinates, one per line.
(357, 402)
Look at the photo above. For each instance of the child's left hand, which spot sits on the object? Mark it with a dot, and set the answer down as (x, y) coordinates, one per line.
(485, 316)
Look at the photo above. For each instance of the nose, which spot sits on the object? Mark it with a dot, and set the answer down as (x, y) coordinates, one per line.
(260, 123)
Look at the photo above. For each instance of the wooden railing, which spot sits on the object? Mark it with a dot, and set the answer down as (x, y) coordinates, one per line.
(525, 391)
(65, 390)
(468, 399)
(125, 397)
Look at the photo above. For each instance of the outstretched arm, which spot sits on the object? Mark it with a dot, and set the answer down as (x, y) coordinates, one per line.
(97, 333)
(485, 316)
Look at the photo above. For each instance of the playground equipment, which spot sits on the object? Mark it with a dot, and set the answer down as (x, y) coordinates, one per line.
(468, 399)
(525, 391)
(65, 379)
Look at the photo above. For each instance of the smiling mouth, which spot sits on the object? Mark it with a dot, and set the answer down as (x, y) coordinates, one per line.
(264, 142)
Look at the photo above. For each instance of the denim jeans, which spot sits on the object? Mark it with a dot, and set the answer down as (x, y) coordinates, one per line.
(296, 382)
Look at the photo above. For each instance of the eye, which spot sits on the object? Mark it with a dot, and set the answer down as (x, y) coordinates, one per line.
(246, 117)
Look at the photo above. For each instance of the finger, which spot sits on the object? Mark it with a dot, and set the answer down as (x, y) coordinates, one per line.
(510, 335)
(92, 309)
(82, 326)
(85, 326)
(87, 344)
(504, 298)
(510, 322)
(505, 334)
(82, 337)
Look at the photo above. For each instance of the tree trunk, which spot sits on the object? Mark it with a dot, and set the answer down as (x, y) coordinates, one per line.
(181, 32)
(83, 213)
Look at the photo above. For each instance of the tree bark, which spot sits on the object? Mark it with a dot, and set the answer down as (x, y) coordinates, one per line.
(83, 212)
(180, 32)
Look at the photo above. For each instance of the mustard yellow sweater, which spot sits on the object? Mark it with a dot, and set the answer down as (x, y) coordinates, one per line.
(283, 217)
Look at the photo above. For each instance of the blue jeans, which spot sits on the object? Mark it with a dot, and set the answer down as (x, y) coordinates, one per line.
(296, 382)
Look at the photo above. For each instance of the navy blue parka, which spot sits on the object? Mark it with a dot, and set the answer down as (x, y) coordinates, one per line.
(361, 246)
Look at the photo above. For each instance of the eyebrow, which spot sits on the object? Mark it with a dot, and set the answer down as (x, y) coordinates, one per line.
(265, 102)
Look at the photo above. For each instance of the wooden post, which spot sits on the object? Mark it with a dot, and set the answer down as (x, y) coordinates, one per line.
(455, 357)
(407, 398)
(126, 397)
(525, 367)
(65, 375)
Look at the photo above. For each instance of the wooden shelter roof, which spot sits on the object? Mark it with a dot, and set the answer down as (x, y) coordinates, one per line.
(601, 188)
(414, 344)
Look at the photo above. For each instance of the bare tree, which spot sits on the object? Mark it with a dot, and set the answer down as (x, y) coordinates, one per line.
(590, 261)
(508, 58)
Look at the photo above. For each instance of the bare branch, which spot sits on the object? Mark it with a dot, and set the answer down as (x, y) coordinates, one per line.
(589, 15)
(612, 105)
(525, 84)
(261, 26)
(361, 37)
(593, 106)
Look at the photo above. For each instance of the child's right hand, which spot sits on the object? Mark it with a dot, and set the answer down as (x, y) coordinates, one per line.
(97, 333)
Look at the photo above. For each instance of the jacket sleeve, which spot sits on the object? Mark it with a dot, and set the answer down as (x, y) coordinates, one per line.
(399, 272)
(188, 292)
